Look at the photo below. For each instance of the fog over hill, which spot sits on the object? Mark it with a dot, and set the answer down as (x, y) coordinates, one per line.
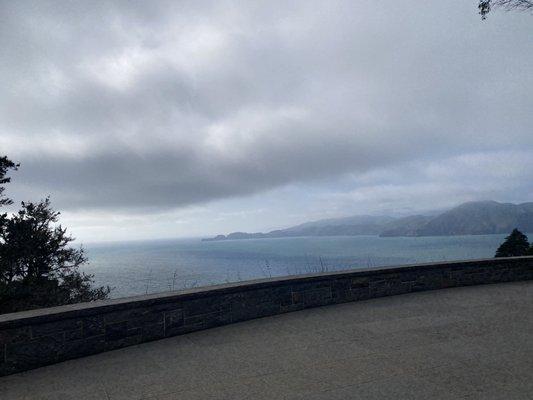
(472, 218)
(479, 218)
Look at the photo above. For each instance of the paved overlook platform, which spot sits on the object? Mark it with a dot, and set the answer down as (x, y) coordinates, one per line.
(461, 343)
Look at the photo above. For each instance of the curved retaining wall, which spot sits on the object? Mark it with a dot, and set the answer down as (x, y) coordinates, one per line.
(35, 338)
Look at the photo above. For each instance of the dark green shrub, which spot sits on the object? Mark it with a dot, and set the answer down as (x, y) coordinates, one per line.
(516, 244)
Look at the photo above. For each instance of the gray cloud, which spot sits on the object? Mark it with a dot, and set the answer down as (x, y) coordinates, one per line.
(166, 104)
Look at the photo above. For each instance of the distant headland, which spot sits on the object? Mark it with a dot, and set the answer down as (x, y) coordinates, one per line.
(472, 218)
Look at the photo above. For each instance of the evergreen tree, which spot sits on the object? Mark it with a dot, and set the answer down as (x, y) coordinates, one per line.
(5, 165)
(38, 268)
(516, 244)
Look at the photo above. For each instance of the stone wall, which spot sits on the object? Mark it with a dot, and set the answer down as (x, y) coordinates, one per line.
(35, 338)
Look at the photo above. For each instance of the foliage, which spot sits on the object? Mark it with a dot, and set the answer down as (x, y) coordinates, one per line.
(38, 268)
(516, 244)
(485, 6)
(5, 165)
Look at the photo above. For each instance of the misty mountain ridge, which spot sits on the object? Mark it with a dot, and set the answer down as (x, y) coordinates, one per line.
(471, 218)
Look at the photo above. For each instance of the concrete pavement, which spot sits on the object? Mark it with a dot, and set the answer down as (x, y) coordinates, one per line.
(462, 343)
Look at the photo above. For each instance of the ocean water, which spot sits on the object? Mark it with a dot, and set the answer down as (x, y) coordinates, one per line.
(133, 268)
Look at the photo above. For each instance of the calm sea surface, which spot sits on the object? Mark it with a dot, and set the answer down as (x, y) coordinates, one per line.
(157, 266)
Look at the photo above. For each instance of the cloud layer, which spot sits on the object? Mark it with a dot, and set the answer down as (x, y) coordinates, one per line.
(155, 106)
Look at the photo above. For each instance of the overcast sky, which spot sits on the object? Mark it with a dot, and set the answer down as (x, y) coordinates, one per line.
(150, 119)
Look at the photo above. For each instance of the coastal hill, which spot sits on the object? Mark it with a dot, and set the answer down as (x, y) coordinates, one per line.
(480, 218)
(472, 218)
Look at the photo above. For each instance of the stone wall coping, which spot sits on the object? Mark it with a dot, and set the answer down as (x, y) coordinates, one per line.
(43, 315)
(35, 338)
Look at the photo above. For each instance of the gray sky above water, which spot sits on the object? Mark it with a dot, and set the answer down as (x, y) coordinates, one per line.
(162, 119)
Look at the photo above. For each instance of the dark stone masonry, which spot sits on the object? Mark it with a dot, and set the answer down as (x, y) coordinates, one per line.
(36, 338)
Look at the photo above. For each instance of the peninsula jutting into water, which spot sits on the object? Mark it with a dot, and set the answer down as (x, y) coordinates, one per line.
(472, 218)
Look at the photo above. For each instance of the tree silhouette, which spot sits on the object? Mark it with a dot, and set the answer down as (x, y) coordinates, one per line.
(5, 165)
(516, 244)
(485, 6)
(38, 268)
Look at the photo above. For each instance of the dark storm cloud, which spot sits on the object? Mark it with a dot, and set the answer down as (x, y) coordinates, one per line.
(163, 104)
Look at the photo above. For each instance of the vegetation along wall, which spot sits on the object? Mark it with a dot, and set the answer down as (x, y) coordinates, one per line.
(35, 338)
